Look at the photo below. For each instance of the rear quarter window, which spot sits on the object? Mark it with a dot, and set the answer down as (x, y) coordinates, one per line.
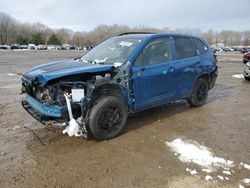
(201, 48)
(184, 47)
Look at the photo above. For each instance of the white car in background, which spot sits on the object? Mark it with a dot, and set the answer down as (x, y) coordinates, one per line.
(246, 71)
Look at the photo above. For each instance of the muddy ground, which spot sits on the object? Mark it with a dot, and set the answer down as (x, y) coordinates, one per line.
(32, 155)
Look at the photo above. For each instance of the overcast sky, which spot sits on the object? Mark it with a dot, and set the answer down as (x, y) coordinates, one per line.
(85, 15)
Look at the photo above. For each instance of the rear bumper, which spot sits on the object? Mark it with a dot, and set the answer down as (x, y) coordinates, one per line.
(214, 76)
(44, 113)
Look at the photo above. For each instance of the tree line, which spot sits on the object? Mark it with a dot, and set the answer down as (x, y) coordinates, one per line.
(13, 31)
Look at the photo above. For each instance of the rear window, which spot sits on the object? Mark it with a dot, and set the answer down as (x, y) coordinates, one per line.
(200, 46)
(183, 47)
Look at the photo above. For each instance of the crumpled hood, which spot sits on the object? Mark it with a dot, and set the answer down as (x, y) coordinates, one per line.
(46, 72)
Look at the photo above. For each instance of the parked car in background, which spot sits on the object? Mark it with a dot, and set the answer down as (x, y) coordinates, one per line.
(14, 46)
(72, 48)
(53, 47)
(31, 46)
(61, 48)
(228, 49)
(246, 57)
(4, 47)
(244, 50)
(23, 47)
(246, 72)
(41, 47)
(125, 74)
(236, 49)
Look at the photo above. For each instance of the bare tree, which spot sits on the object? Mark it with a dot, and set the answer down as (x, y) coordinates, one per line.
(79, 39)
(64, 35)
(209, 36)
(12, 31)
(7, 28)
(225, 36)
(246, 38)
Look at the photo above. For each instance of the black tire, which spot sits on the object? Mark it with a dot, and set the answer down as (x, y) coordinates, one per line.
(107, 118)
(247, 78)
(199, 94)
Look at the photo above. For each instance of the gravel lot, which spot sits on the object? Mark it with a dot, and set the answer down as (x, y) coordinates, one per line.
(32, 155)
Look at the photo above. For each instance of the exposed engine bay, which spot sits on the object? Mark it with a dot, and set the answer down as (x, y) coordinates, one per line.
(53, 93)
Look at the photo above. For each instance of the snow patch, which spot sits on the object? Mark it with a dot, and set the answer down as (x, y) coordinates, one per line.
(16, 127)
(220, 177)
(246, 181)
(226, 172)
(238, 76)
(192, 172)
(207, 178)
(247, 166)
(207, 170)
(191, 151)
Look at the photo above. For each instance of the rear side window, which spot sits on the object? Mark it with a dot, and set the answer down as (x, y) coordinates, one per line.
(183, 47)
(200, 46)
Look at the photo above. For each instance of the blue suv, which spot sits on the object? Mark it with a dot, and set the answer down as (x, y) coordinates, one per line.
(122, 75)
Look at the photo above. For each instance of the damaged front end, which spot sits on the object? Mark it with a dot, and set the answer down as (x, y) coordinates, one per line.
(64, 101)
(69, 92)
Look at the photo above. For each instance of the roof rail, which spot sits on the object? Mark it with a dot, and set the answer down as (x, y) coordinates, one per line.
(136, 32)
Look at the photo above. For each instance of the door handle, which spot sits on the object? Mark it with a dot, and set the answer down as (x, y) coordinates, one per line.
(171, 69)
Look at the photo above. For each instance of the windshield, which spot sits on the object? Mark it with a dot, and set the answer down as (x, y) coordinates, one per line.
(113, 50)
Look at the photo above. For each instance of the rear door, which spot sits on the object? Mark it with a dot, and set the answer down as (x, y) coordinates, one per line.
(184, 65)
(152, 81)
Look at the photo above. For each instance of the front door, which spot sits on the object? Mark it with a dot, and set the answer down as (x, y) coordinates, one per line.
(151, 74)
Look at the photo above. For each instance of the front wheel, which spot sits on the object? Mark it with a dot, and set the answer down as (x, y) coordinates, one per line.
(199, 94)
(107, 118)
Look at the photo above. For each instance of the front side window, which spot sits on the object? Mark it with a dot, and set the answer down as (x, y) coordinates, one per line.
(183, 47)
(156, 52)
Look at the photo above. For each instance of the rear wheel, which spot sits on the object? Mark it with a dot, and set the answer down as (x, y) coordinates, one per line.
(107, 118)
(199, 94)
